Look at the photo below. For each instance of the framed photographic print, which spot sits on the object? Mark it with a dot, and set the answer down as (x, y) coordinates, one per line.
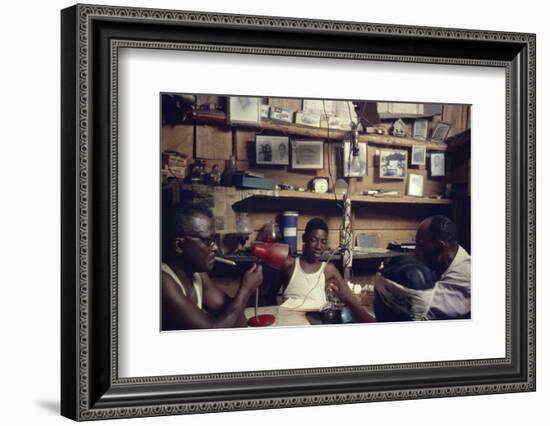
(439, 133)
(354, 160)
(244, 110)
(116, 362)
(437, 164)
(319, 106)
(393, 164)
(420, 129)
(272, 150)
(416, 185)
(418, 155)
(307, 154)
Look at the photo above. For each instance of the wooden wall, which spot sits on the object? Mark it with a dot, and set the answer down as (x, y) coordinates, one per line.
(217, 143)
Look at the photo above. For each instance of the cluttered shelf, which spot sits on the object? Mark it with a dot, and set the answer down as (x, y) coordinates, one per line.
(376, 254)
(305, 195)
(322, 133)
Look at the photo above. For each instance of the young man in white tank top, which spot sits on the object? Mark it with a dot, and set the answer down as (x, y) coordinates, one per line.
(307, 276)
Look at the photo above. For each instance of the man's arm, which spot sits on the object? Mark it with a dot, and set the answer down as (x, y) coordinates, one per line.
(342, 290)
(178, 312)
(215, 301)
(451, 300)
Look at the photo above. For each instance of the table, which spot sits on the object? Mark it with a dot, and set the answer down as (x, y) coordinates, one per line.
(286, 317)
(283, 317)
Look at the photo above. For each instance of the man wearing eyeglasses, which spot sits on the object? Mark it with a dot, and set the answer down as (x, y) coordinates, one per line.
(190, 300)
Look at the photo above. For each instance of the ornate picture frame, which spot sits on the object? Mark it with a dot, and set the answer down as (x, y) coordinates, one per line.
(92, 37)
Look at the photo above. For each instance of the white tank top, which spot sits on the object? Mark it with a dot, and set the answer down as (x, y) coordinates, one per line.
(197, 282)
(308, 287)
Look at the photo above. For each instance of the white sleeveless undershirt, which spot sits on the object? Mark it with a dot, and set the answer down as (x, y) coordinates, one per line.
(308, 287)
(197, 282)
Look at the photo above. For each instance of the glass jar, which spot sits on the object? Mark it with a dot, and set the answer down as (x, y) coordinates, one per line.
(270, 233)
(244, 226)
(229, 171)
(197, 173)
(214, 177)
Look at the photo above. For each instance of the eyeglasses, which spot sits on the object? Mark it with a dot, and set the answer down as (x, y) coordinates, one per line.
(208, 242)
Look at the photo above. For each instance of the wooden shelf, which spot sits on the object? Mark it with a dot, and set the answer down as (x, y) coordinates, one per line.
(248, 193)
(357, 255)
(402, 142)
(400, 200)
(354, 198)
(325, 134)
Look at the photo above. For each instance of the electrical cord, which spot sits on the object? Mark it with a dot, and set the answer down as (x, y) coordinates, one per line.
(330, 161)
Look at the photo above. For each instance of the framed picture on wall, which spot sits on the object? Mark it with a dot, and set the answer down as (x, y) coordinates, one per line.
(420, 129)
(116, 361)
(393, 164)
(416, 185)
(418, 155)
(440, 132)
(244, 110)
(307, 154)
(437, 164)
(271, 150)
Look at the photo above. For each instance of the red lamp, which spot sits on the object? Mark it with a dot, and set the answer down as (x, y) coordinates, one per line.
(274, 255)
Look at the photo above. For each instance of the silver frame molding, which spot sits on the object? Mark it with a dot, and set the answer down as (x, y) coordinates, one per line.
(91, 38)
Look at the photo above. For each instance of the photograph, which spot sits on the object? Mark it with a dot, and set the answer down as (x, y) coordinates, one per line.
(437, 164)
(275, 251)
(416, 185)
(420, 129)
(393, 164)
(192, 229)
(243, 109)
(440, 131)
(418, 156)
(272, 150)
(307, 154)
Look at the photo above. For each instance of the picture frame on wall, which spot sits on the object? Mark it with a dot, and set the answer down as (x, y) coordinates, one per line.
(440, 132)
(415, 187)
(100, 379)
(418, 155)
(272, 150)
(307, 154)
(243, 110)
(437, 164)
(393, 163)
(420, 129)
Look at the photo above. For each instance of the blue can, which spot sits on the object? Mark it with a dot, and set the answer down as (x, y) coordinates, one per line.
(290, 231)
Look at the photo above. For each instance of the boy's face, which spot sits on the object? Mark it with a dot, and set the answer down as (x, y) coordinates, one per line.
(315, 244)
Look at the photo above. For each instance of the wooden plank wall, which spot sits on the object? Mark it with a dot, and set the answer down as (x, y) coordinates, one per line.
(216, 145)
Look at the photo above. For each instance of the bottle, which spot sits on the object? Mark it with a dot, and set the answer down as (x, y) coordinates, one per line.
(244, 227)
(290, 231)
(229, 170)
(197, 175)
(270, 233)
(214, 177)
